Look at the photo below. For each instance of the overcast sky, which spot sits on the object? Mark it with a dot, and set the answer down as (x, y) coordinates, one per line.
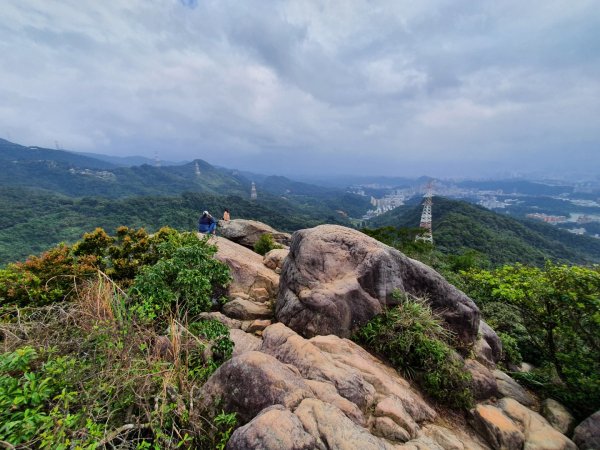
(443, 87)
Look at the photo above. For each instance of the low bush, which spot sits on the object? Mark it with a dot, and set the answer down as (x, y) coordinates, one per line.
(186, 279)
(414, 340)
(87, 375)
(265, 244)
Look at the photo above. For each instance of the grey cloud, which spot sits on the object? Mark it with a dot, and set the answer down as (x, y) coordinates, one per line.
(322, 86)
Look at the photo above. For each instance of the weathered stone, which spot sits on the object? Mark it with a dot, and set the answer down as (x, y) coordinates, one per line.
(334, 430)
(394, 409)
(250, 278)
(275, 428)
(488, 347)
(507, 387)
(558, 416)
(275, 258)
(243, 342)
(539, 434)
(446, 438)
(227, 321)
(386, 428)
(248, 232)
(336, 279)
(253, 326)
(484, 383)
(290, 348)
(385, 380)
(247, 310)
(587, 433)
(250, 382)
(421, 443)
(327, 392)
(500, 431)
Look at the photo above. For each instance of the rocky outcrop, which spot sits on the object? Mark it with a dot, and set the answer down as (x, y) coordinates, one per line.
(341, 395)
(248, 232)
(251, 279)
(312, 388)
(558, 416)
(275, 428)
(488, 347)
(484, 383)
(335, 279)
(510, 425)
(247, 310)
(587, 433)
(250, 382)
(507, 387)
(275, 258)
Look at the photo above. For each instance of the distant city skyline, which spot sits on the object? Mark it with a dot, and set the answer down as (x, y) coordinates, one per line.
(459, 89)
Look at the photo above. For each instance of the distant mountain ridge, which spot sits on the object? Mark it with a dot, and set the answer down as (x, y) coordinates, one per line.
(459, 225)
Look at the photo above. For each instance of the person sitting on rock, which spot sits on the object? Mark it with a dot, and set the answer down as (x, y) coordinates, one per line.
(207, 224)
(226, 216)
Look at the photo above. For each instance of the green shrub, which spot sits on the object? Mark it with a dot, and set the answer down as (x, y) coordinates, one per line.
(552, 314)
(265, 244)
(413, 339)
(185, 280)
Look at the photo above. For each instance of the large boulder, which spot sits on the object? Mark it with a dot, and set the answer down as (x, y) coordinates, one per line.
(275, 428)
(587, 433)
(335, 279)
(248, 383)
(488, 347)
(247, 310)
(508, 387)
(251, 279)
(539, 434)
(510, 425)
(344, 375)
(334, 430)
(558, 416)
(501, 432)
(248, 232)
(483, 383)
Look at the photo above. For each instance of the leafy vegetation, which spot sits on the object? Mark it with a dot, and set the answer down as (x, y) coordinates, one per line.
(550, 317)
(32, 221)
(414, 340)
(84, 363)
(265, 244)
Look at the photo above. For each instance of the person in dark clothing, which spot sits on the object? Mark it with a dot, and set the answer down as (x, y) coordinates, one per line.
(207, 224)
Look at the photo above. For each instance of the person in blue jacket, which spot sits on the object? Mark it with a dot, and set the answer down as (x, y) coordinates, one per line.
(207, 224)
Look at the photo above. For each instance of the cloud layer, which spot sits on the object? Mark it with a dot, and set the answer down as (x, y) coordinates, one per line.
(346, 86)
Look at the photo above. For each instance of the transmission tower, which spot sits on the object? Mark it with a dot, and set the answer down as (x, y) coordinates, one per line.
(253, 192)
(156, 160)
(426, 235)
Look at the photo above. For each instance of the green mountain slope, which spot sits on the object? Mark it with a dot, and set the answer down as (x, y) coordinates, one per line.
(458, 225)
(32, 221)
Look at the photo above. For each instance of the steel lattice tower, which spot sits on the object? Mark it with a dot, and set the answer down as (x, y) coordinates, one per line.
(426, 235)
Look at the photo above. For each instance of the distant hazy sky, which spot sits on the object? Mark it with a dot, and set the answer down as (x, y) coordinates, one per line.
(398, 87)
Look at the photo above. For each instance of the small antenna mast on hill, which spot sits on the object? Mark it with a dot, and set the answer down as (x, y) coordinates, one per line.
(253, 194)
(156, 160)
(56, 144)
(426, 235)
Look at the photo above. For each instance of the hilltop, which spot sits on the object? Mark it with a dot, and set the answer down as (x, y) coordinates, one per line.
(459, 225)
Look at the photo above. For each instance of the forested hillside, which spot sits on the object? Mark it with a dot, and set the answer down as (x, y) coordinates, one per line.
(459, 225)
(32, 221)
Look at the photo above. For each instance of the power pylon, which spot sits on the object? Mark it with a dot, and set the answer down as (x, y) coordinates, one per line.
(426, 235)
